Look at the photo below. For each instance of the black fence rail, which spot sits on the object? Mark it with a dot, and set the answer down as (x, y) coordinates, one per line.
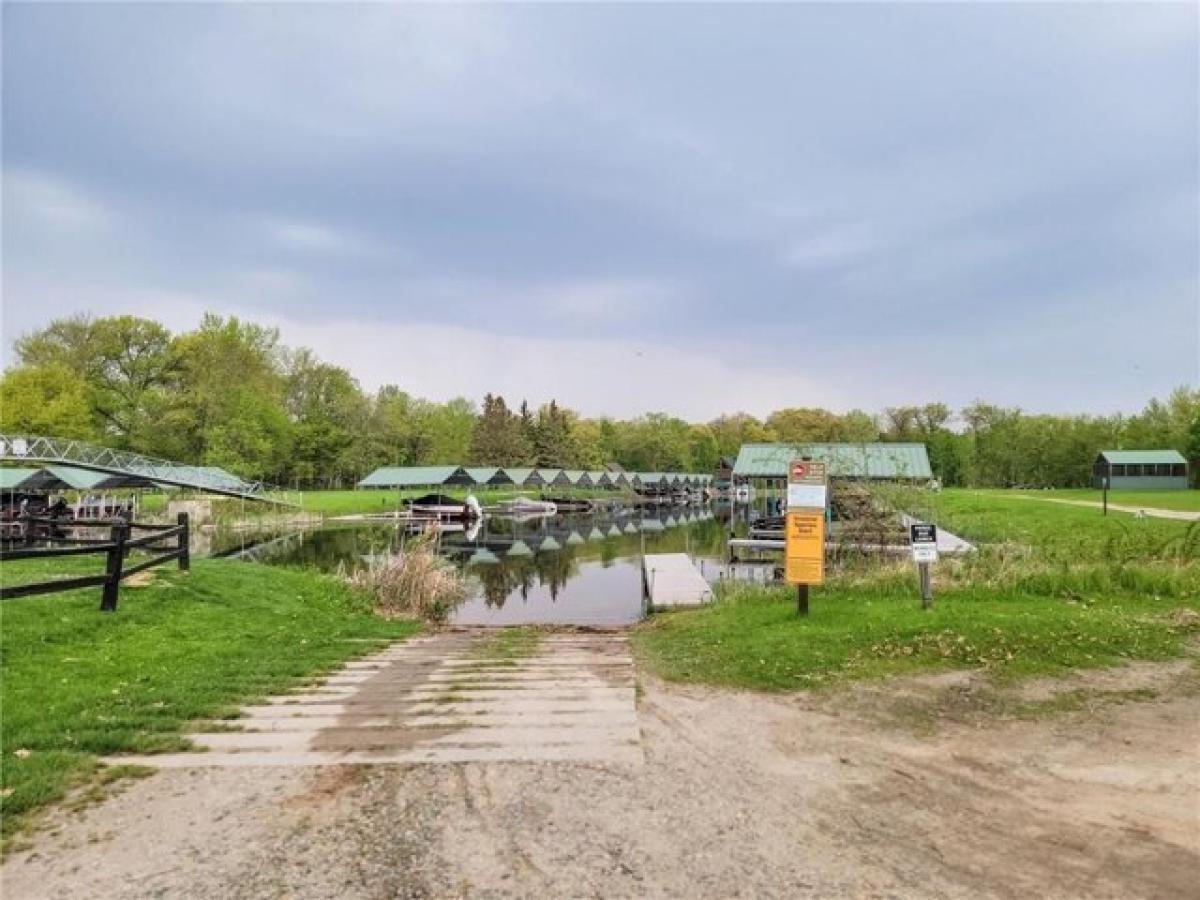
(163, 542)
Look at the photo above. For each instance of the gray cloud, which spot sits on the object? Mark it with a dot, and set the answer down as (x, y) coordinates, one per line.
(850, 198)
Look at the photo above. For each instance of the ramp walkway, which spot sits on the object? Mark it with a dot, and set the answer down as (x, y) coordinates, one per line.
(672, 580)
(449, 697)
(210, 479)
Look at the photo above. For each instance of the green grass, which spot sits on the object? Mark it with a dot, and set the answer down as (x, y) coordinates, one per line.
(1054, 531)
(752, 638)
(1188, 501)
(1052, 588)
(78, 683)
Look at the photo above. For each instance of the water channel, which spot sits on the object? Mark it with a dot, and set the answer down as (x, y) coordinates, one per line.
(582, 569)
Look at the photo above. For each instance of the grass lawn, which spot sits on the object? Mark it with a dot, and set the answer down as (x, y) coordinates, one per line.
(1189, 500)
(1052, 588)
(78, 683)
(752, 637)
(1058, 531)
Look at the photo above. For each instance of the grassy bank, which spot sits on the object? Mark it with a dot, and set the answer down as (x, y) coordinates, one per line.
(1054, 531)
(78, 684)
(1052, 588)
(752, 638)
(1187, 501)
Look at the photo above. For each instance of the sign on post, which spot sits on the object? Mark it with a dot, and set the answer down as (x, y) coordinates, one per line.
(804, 558)
(923, 538)
(804, 527)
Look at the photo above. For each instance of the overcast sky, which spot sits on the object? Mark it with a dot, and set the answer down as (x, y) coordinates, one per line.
(692, 209)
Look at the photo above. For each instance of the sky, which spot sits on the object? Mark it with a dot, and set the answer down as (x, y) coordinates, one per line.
(631, 208)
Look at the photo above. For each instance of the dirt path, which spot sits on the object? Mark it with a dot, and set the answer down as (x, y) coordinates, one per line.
(1181, 514)
(739, 795)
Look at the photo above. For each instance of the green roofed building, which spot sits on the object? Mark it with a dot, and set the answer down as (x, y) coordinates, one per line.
(416, 476)
(525, 477)
(1141, 470)
(765, 465)
(489, 476)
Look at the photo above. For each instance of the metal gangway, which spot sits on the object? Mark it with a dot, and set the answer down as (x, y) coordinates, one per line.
(27, 448)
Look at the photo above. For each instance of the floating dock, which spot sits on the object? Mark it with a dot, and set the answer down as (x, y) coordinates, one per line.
(672, 580)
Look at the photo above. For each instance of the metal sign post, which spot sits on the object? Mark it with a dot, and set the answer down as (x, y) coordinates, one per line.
(923, 537)
(804, 528)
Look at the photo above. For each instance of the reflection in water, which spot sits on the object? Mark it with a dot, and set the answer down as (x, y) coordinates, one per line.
(576, 568)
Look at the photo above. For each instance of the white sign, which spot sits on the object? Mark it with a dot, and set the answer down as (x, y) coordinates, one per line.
(806, 496)
(923, 537)
(924, 553)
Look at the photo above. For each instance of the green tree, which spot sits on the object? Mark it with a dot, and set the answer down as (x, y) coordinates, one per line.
(498, 437)
(552, 437)
(230, 410)
(49, 400)
(126, 362)
(329, 416)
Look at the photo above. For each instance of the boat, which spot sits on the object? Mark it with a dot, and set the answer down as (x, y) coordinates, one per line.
(441, 506)
(518, 506)
(570, 504)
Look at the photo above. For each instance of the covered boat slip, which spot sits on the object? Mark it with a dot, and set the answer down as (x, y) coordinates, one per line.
(500, 478)
(95, 499)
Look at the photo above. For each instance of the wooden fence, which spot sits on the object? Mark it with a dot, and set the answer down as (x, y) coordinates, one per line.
(164, 543)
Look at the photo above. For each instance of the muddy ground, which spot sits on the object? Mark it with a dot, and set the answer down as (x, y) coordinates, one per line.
(930, 787)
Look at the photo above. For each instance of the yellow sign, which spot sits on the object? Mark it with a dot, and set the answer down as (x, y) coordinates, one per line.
(804, 557)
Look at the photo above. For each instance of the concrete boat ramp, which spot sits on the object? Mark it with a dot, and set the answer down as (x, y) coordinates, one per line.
(450, 697)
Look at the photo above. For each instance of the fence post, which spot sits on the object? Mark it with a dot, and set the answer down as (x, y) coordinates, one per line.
(112, 569)
(185, 558)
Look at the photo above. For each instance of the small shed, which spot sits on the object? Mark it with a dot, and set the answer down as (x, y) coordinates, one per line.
(1142, 470)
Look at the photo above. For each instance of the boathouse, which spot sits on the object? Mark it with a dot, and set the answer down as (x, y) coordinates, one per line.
(764, 466)
(417, 476)
(1143, 470)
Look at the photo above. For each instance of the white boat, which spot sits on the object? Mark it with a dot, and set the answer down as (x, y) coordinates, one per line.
(528, 506)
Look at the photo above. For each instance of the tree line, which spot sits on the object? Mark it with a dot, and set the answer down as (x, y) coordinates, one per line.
(231, 394)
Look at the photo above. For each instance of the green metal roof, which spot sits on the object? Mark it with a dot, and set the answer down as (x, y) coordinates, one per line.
(492, 475)
(880, 460)
(13, 477)
(523, 476)
(416, 476)
(1142, 457)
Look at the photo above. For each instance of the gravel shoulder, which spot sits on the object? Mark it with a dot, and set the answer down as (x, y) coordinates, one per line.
(846, 794)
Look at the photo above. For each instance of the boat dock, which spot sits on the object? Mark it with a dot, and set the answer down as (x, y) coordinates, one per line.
(672, 580)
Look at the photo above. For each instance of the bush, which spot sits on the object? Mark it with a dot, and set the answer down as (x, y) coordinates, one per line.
(414, 582)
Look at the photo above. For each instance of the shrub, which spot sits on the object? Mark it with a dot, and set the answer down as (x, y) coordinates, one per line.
(414, 582)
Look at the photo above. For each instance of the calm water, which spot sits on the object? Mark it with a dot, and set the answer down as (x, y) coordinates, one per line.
(567, 569)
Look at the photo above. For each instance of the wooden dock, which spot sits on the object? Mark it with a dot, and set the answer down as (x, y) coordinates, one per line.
(672, 580)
